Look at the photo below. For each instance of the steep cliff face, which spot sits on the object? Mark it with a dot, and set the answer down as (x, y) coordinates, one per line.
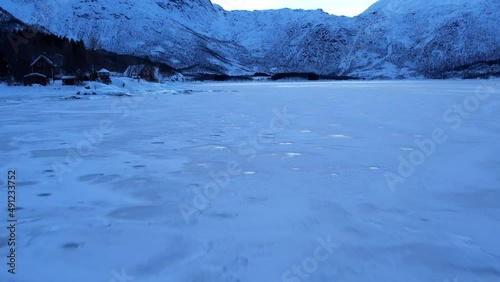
(422, 35)
(392, 38)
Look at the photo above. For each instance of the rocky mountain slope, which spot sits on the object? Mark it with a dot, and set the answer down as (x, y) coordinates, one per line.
(393, 38)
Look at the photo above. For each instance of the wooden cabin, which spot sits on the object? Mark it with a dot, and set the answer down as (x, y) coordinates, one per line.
(104, 76)
(35, 78)
(68, 80)
(43, 65)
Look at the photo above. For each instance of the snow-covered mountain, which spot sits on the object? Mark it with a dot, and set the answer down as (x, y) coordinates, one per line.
(392, 38)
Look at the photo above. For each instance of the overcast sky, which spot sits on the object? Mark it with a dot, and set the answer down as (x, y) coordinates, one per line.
(336, 7)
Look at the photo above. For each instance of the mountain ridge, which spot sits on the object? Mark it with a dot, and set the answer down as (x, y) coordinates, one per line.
(391, 39)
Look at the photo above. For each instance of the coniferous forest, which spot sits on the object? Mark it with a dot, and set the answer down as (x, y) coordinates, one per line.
(19, 49)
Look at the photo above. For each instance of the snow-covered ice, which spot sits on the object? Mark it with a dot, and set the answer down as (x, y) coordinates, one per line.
(325, 181)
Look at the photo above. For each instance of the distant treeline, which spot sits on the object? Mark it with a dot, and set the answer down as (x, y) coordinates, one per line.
(18, 50)
(310, 76)
(220, 77)
(278, 76)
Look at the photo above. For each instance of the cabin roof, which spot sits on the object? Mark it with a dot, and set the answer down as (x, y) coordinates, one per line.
(36, 74)
(44, 58)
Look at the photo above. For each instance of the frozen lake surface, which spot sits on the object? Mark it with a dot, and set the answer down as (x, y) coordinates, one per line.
(327, 181)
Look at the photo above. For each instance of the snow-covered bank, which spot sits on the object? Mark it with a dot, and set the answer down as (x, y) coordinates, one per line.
(287, 181)
(119, 86)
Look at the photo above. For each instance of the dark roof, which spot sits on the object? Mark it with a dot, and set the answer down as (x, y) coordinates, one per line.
(42, 57)
(35, 74)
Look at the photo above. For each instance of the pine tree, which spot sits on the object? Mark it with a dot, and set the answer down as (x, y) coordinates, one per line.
(4, 68)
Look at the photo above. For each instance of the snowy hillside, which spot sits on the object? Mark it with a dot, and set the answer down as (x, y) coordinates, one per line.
(392, 38)
(9, 23)
(423, 35)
